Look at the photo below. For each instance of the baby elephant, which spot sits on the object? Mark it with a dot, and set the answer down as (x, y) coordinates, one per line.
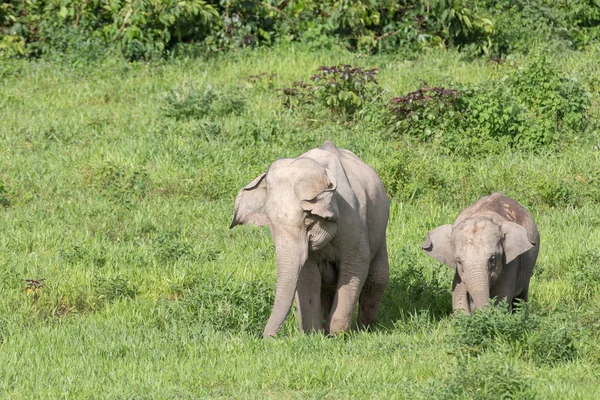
(493, 244)
(328, 212)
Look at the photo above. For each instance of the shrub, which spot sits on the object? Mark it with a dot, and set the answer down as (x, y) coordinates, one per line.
(343, 89)
(530, 108)
(522, 25)
(144, 29)
(550, 345)
(484, 327)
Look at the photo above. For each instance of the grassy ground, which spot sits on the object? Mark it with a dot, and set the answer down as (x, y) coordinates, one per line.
(124, 209)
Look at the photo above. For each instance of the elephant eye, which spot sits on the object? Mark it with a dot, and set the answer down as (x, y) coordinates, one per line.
(493, 260)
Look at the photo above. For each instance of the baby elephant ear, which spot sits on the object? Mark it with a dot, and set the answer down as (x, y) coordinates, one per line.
(324, 204)
(249, 204)
(438, 245)
(516, 241)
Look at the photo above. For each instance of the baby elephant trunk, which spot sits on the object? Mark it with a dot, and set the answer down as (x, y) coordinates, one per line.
(478, 286)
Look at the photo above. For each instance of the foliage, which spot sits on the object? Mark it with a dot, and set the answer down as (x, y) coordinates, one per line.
(522, 25)
(145, 29)
(542, 340)
(529, 108)
(484, 327)
(343, 89)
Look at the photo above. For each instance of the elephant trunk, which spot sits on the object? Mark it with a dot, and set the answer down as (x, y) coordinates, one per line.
(478, 286)
(291, 252)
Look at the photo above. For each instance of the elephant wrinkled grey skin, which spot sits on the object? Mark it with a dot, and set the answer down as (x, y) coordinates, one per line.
(493, 244)
(328, 213)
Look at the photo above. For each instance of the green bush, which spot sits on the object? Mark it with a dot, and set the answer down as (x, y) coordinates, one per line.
(551, 344)
(342, 89)
(484, 327)
(529, 108)
(145, 29)
(525, 332)
(522, 25)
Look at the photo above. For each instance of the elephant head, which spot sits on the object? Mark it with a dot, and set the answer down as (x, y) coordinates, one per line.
(296, 199)
(479, 249)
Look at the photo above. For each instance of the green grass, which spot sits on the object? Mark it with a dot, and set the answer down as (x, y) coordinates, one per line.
(125, 210)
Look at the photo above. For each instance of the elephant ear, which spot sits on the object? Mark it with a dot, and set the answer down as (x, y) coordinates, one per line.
(516, 241)
(249, 204)
(438, 245)
(324, 204)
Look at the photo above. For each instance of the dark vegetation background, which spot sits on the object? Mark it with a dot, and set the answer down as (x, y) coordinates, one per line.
(127, 128)
(149, 29)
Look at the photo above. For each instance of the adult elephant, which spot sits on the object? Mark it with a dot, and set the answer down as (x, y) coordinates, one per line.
(328, 213)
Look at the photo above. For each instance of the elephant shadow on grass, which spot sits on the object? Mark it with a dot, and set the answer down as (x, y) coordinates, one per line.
(414, 290)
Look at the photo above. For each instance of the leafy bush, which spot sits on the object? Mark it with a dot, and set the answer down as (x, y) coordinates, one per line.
(343, 89)
(550, 345)
(528, 108)
(414, 112)
(143, 29)
(484, 327)
(522, 25)
(542, 340)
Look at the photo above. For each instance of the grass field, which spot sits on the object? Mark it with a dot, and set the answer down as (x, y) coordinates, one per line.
(117, 184)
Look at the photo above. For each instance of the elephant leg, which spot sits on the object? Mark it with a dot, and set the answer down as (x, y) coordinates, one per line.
(460, 298)
(506, 285)
(523, 296)
(327, 296)
(308, 298)
(351, 281)
(372, 292)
